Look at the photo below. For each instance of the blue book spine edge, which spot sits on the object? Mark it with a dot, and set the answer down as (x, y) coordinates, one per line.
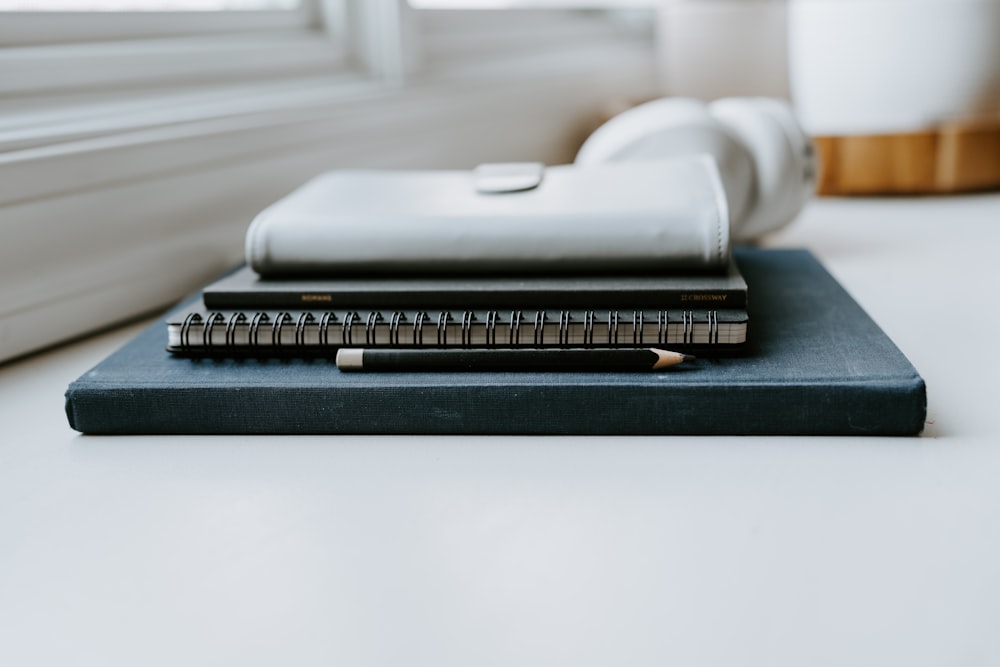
(529, 408)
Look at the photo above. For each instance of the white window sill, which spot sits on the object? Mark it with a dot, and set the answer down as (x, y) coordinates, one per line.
(94, 69)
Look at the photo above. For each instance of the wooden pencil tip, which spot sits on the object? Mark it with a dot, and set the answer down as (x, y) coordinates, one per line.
(665, 358)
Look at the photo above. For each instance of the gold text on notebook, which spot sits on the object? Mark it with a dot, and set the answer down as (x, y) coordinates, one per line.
(704, 297)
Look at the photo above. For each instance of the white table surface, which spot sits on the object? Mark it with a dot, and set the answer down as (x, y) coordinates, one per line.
(479, 551)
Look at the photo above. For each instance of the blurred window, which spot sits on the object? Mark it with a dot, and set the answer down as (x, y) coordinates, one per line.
(33, 22)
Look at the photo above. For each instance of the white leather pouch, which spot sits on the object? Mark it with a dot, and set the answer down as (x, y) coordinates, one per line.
(658, 215)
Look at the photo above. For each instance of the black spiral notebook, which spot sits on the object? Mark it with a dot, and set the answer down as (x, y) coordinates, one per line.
(244, 314)
(195, 331)
(815, 364)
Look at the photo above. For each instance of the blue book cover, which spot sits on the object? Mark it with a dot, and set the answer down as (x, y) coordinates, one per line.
(815, 364)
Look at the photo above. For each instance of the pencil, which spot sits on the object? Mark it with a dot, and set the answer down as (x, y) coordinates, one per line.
(524, 359)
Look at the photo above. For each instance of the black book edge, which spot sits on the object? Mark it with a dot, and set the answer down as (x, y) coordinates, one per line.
(243, 289)
(513, 406)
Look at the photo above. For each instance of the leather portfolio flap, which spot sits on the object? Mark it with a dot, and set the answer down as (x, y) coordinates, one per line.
(656, 215)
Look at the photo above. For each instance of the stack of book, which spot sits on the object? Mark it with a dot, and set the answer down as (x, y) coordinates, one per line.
(431, 260)
(246, 314)
(253, 352)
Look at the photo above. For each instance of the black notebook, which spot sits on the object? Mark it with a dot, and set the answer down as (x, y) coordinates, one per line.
(243, 314)
(196, 331)
(816, 363)
(244, 289)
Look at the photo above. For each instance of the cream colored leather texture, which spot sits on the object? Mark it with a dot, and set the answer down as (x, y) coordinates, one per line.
(646, 215)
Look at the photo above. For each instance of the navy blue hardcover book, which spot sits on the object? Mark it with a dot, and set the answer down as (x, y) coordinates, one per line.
(815, 364)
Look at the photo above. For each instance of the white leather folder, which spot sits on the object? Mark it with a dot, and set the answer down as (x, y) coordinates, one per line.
(657, 215)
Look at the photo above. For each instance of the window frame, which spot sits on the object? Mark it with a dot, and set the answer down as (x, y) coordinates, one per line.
(65, 56)
(23, 28)
(102, 68)
(146, 174)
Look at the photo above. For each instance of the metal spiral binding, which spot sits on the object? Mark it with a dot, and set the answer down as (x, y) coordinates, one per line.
(279, 322)
(206, 332)
(476, 328)
(253, 332)
(300, 327)
(564, 318)
(235, 320)
(491, 328)
(189, 321)
(442, 328)
(418, 328)
(323, 329)
(467, 319)
(515, 327)
(394, 322)
(374, 318)
(347, 329)
(538, 330)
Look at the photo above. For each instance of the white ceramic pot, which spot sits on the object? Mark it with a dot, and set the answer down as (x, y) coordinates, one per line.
(873, 66)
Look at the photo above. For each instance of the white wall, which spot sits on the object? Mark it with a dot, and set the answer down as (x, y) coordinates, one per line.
(719, 48)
